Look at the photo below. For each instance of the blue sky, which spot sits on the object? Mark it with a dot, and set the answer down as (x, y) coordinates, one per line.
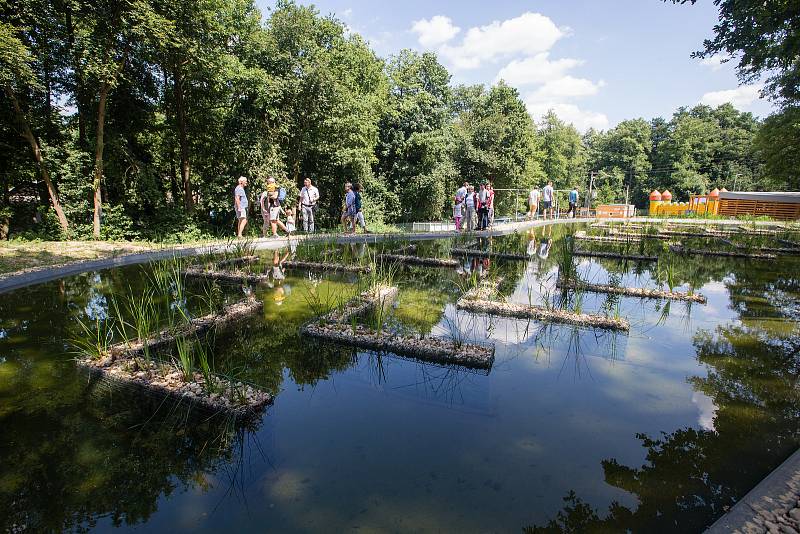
(595, 63)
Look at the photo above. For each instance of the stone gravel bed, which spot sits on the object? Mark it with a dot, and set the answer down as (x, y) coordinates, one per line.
(419, 260)
(680, 249)
(613, 255)
(429, 349)
(489, 254)
(227, 395)
(383, 296)
(539, 313)
(640, 292)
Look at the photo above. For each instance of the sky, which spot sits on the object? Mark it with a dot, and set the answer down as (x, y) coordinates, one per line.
(595, 63)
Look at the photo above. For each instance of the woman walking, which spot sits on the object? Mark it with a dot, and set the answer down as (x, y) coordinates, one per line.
(274, 217)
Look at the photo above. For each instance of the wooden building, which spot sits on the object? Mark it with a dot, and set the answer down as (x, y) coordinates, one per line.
(777, 205)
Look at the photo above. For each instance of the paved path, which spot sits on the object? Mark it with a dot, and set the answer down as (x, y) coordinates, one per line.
(772, 506)
(46, 274)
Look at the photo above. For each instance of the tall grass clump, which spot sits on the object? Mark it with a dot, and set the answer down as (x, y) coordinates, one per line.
(566, 260)
(95, 341)
(185, 351)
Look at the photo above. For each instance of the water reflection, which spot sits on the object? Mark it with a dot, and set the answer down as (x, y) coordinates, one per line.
(372, 441)
(749, 402)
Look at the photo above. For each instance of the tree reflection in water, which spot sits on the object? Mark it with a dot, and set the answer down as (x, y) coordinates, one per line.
(116, 457)
(692, 476)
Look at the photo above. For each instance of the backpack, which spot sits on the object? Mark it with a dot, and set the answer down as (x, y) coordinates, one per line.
(281, 194)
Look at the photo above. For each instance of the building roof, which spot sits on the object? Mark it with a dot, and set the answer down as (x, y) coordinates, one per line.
(790, 197)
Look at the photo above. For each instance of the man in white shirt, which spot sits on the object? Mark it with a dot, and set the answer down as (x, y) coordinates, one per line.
(309, 196)
(470, 216)
(240, 204)
(533, 202)
(462, 192)
(547, 200)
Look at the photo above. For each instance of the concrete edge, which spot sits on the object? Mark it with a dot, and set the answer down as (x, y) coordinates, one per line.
(47, 274)
(775, 494)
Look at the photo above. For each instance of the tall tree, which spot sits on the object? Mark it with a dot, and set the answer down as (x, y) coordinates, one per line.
(413, 144)
(108, 32)
(24, 72)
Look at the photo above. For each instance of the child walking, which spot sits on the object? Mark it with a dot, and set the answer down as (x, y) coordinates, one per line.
(458, 212)
(290, 225)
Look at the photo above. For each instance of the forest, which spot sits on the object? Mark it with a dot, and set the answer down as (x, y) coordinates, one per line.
(132, 119)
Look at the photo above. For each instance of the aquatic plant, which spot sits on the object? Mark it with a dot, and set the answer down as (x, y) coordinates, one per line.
(144, 316)
(577, 301)
(211, 297)
(566, 259)
(96, 339)
(184, 350)
(241, 248)
(206, 367)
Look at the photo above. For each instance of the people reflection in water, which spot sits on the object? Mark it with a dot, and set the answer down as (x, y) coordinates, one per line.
(358, 249)
(278, 282)
(531, 251)
(546, 242)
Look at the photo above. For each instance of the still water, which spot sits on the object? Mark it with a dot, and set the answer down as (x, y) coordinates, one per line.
(659, 429)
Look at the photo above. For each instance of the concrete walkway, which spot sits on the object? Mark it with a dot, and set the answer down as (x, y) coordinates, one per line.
(772, 506)
(46, 274)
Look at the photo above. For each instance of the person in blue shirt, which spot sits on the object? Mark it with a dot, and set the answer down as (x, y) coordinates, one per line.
(240, 205)
(573, 202)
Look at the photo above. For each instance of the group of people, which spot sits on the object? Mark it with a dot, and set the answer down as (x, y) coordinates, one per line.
(273, 213)
(474, 210)
(546, 197)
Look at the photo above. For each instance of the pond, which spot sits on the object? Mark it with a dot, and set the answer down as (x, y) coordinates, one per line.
(661, 428)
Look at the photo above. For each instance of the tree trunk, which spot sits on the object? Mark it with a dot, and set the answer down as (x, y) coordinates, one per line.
(27, 133)
(98, 157)
(180, 117)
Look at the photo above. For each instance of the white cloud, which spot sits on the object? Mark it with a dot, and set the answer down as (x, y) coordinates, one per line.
(741, 97)
(536, 69)
(435, 31)
(565, 87)
(528, 34)
(347, 13)
(713, 62)
(569, 113)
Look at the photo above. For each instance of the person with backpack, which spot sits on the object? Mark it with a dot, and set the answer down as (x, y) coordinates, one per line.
(573, 202)
(275, 222)
(309, 196)
(358, 218)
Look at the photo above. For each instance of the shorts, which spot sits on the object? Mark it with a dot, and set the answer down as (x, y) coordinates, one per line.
(241, 214)
(547, 204)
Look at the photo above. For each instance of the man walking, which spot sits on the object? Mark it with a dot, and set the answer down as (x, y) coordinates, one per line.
(547, 200)
(309, 196)
(240, 205)
(469, 203)
(461, 192)
(573, 202)
(490, 206)
(483, 207)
